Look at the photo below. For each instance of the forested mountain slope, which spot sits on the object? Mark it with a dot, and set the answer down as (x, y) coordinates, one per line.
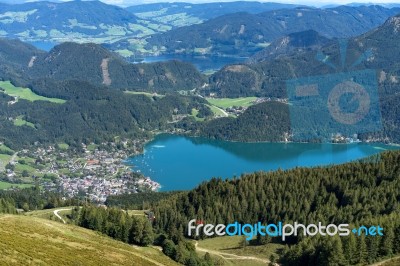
(244, 34)
(358, 193)
(94, 64)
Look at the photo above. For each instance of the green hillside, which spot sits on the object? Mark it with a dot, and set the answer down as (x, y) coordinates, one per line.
(82, 21)
(184, 14)
(243, 33)
(376, 50)
(25, 93)
(357, 193)
(94, 64)
(29, 240)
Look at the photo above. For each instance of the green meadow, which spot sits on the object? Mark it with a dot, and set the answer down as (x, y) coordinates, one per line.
(36, 241)
(6, 185)
(229, 102)
(25, 93)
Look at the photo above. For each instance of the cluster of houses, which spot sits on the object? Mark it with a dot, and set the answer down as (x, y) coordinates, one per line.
(98, 189)
(95, 174)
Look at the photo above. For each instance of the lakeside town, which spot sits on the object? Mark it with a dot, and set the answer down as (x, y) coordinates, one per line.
(95, 172)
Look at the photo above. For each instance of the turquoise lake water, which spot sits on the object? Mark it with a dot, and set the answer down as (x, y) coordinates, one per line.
(181, 163)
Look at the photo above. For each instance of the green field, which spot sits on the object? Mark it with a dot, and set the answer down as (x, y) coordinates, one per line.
(49, 213)
(5, 149)
(6, 185)
(25, 93)
(229, 102)
(63, 146)
(232, 245)
(4, 160)
(35, 241)
(20, 121)
(24, 167)
(136, 212)
(148, 94)
(195, 112)
(216, 111)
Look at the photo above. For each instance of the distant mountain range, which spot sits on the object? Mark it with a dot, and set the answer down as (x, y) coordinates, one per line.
(244, 34)
(268, 78)
(184, 14)
(291, 44)
(94, 64)
(84, 21)
(212, 28)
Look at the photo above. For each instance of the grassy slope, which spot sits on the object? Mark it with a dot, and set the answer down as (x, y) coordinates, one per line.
(229, 102)
(25, 93)
(20, 121)
(6, 185)
(4, 160)
(148, 94)
(29, 240)
(49, 213)
(231, 244)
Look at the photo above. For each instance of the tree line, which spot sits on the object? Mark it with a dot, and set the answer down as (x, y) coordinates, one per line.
(364, 192)
(138, 230)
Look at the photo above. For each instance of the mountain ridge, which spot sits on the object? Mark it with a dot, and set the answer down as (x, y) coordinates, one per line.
(297, 42)
(95, 64)
(244, 34)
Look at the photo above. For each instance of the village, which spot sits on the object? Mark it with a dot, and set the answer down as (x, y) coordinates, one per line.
(94, 173)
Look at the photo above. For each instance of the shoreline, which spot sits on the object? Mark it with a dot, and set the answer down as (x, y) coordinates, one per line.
(131, 166)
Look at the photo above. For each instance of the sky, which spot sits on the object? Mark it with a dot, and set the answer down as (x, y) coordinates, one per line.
(125, 3)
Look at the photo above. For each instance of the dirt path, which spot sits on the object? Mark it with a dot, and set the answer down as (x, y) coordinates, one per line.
(229, 256)
(58, 216)
(385, 261)
(106, 74)
(222, 110)
(14, 157)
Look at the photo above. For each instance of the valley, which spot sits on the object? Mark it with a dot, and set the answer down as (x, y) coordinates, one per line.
(122, 125)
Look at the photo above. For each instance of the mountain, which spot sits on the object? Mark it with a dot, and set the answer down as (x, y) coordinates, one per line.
(244, 34)
(293, 43)
(14, 55)
(94, 64)
(180, 14)
(376, 51)
(27, 238)
(325, 195)
(76, 94)
(268, 78)
(82, 21)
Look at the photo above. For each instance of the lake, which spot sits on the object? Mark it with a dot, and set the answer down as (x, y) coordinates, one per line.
(182, 163)
(43, 45)
(202, 63)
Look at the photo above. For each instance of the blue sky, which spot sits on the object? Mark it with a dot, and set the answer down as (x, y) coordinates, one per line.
(307, 2)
